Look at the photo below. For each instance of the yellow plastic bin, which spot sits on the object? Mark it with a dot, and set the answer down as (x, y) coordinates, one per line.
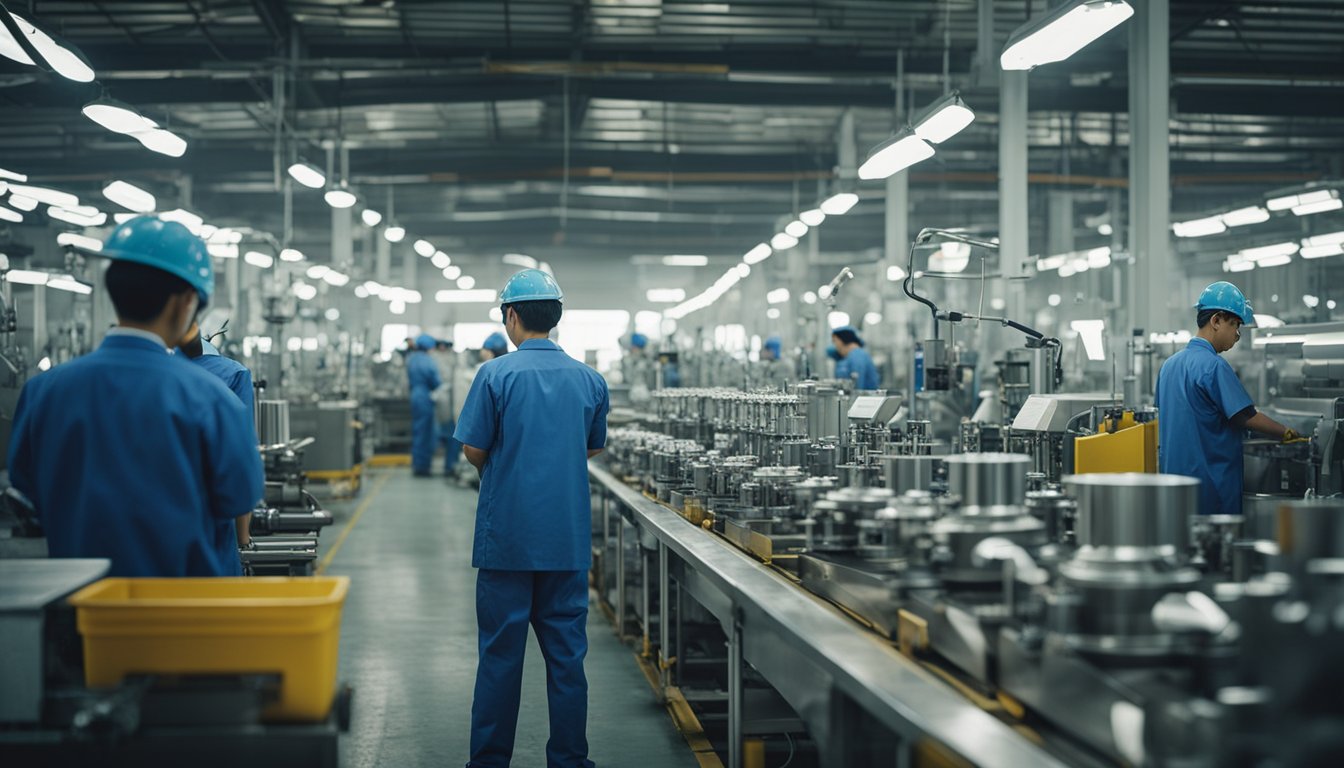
(289, 626)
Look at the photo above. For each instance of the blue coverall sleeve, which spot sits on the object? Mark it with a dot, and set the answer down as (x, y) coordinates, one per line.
(20, 449)
(477, 425)
(597, 431)
(234, 476)
(241, 384)
(1227, 391)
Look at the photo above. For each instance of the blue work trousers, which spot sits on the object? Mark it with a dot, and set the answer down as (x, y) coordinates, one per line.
(451, 447)
(555, 604)
(422, 431)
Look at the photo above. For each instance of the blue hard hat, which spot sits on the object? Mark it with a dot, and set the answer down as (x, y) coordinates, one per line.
(1228, 298)
(425, 341)
(639, 340)
(165, 245)
(775, 344)
(495, 342)
(832, 352)
(531, 285)
(845, 332)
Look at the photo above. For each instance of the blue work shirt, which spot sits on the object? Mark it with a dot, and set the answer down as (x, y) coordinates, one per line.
(234, 374)
(538, 412)
(422, 373)
(138, 456)
(1197, 395)
(859, 363)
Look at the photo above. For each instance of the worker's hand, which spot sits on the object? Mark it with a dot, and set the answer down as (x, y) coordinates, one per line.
(1291, 436)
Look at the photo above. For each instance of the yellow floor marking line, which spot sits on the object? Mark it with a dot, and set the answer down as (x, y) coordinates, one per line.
(359, 512)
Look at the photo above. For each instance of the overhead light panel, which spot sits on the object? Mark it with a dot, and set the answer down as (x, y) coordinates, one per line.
(78, 218)
(117, 116)
(839, 204)
(520, 260)
(65, 59)
(1326, 239)
(466, 282)
(783, 241)
(452, 272)
(685, 261)
(317, 271)
(222, 250)
(70, 284)
(1062, 32)
(370, 217)
(130, 197)
(812, 218)
(1274, 261)
(335, 279)
(1320, 206)
(27, 277)
(424, 248)
(777, 296)
(189, 220)
(478, 296)
(1243, 216)
(796, 228)
(1321, 251)
(440, 260)
(13, 175)
(79, 241)
(1259, 254)
(9, 214)
(291, 255)
(259, 259)
(895, 155)
(162, 140)
(44, 195)
(303, 291)
(665, 295)
(394, 234)
(340, 197)
(1211, 225)
(22, 202)
(944, 119)
(895, 274)
(759, 253)
(308, 175)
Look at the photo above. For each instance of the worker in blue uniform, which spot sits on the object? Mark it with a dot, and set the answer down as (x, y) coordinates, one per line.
(423, 376)
(495, 345)
(131, 453)
(855, 361)
(530, 423)
(1203, 409)
(234, 374)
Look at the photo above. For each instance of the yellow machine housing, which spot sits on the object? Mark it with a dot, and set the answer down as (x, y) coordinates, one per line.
(1124, 445)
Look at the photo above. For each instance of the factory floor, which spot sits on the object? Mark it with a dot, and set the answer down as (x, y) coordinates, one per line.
(408, 641)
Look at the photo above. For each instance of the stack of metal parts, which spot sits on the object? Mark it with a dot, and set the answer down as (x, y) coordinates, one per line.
(285, 526)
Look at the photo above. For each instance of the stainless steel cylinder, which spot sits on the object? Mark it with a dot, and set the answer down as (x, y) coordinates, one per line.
(1133, 509)
(984, 480)
(793, 453)
(1311, 530)
(273, 422)
(907, 473)
(825, 458)
(824, 413)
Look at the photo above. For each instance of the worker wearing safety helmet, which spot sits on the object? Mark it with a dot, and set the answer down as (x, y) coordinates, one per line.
(855, 361)
(423, 376)
(531, 422)
(131, 453)
(1203, 408)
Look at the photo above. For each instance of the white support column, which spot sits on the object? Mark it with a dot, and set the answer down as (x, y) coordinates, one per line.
(1013, 221)
(1152, 264)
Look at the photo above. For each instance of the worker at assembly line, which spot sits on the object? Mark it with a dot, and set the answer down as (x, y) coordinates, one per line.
(855, 361)
(1203, 409)
(423, 376)
(234, 374)
(771, 371)
(445, 417)
(131, 453)
(531, 422)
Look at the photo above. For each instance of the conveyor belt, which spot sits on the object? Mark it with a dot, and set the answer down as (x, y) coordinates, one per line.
(821, 662)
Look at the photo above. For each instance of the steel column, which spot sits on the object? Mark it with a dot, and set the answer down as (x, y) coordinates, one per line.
(1149, 167)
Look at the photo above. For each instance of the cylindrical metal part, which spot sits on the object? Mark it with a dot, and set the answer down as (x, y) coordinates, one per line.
(824, 413)
(1311, 530)
(907, 473)
(1134, 509)
(988, 479)
(793, 453)
(273, 422)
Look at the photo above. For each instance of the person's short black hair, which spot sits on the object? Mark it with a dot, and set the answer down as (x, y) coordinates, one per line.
(1205, 316)
(537, 316)
(848, 337)
(140, 293)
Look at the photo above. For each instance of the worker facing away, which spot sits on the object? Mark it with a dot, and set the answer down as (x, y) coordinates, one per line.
(234, 374)
(530, 423)
(1203, 409)
(131, 453)
(855, 362)
(423, 376)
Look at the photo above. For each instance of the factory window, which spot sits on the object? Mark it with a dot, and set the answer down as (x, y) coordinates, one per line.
(393, 338)
(598, 331)
(649, 323)
(472, 335)
(730, 338)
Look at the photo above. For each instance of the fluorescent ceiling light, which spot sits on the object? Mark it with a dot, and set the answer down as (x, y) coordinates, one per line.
(478, 296)
(685, 261)
(424, 248)
(796, 228)
(187, 219)
(440, 260)
(757, 254)
(396, 307)
(371, 217)
(1263, 252)
(130, 197)
(1284, 202)
(43, 195)
(944, 119)
(394, 234)
(317, 271)
(22, 202)
(63, 57)
(839, 204)
(79, 241)
(1062, 32)
(9, 214)
(78, 218)
(1274, 261)
(26, 277)
(222, 250)
(466, 282)
(452, 272)
(742, 270)
(304, 291)
(361, 292)
(117, 116)
(1050, 263)
(894, 155)
(895, 274)
(783, 241)
(373, 287)
(70, 284)
(777, 296)
(162, 140)
(1211, 225)
(1321, 206)
(1242, 266)
(1098, 258)
(520, 260)
(335, 279)
(307, 175)
(812, 218)
(1321, 251)
(1326, 239)
(291, 255)
(665, 295)
(258, 259)
(340, 198)
(1243, 216)
(872, 318)
(955, 257)
(122, 218)
(13, 175)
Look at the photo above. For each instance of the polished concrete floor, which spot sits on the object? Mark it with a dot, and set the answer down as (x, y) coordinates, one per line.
(408, 642)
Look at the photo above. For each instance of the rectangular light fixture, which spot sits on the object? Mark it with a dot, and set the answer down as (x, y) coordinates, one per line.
(1259, 254)
(760, 252)
(291, 255)
(943, 119)
(1238, 266)
(1326, 239)
(813, 217)
(895, 274)
(1062, 32)
(13, 175)
(777, 296)
(477, 296)
(222, 250)
(1321, 251)
(518, 260)
(839, 203)
(894, 155)
(685, 261)
(1284, 202)
(1320, 206)
(27, 277)
(335, 279)
(44, 195)
(308, 175)
(1274, 261)
(394, 234)
(340, 197)
(161, 140)
(186, 218)
(130, 197)
(1051, 263)
(1211, 225)
(259, 259)
(77, 217)
(370, 217)
(65, 59)
(665, 295)
(1243, 216)
(80, 241)
(70, 284)
(424, 248)
(783, 241)
(9, 214)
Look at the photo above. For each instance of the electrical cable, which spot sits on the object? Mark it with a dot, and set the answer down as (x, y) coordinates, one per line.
(786, 763)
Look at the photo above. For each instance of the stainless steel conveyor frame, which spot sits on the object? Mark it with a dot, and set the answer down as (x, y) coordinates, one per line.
(827, 667)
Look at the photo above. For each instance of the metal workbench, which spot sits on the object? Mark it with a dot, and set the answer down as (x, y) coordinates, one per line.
(840, 678)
